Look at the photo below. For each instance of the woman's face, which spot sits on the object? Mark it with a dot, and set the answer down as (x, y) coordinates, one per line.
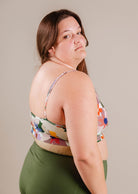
(70, 45)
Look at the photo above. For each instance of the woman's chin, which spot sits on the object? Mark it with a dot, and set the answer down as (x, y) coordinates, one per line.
(82, 56)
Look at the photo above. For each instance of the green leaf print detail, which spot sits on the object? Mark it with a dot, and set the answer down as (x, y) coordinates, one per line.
(40, 125)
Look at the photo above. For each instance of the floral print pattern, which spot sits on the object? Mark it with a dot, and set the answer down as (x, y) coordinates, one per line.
(46, 131)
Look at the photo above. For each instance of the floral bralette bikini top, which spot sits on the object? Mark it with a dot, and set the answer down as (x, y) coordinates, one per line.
(53, 137)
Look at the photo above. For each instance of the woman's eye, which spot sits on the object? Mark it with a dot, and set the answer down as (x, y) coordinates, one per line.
(66, 36)
(79, 33)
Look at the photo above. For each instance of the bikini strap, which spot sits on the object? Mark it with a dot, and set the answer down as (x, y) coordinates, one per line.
(51, 88)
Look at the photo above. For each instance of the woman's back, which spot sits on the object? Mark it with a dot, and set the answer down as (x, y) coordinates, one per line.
(39, 91)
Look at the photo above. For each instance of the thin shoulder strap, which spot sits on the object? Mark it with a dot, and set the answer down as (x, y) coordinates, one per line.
(52, 86)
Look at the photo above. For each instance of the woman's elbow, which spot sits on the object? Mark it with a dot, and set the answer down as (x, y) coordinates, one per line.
(88, 157)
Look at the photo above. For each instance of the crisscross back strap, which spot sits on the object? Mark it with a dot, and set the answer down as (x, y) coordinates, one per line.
(52, 86)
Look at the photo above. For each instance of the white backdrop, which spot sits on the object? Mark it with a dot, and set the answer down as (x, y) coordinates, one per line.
(112, 29)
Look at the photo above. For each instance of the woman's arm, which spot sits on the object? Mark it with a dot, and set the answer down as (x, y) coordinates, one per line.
(80, 108)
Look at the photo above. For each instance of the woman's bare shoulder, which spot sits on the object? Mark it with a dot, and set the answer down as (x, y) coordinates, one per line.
(78, 81)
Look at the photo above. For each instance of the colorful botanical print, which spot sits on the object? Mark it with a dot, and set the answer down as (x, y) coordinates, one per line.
(46, 131)
(102, 116)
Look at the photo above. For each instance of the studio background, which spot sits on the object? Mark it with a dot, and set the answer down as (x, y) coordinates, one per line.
(112, 59)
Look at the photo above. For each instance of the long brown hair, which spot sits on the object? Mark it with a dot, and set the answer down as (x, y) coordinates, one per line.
(48, 31)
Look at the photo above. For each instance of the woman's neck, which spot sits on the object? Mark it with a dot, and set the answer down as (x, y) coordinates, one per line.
(58, 61)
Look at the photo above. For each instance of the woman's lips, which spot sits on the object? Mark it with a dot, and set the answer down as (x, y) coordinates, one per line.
(79, 47)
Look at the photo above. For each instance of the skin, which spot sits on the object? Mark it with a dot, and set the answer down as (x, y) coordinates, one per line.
(71, 102)
(70, 45)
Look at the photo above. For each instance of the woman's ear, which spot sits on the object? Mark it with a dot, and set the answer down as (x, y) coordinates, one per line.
(51, 51)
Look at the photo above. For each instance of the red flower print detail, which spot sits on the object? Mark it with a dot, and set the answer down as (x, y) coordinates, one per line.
(54, 140)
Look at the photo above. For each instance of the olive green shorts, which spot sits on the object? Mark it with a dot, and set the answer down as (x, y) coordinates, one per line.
(44, 172)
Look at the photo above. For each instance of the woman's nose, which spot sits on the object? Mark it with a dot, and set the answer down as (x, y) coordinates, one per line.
(78, 39)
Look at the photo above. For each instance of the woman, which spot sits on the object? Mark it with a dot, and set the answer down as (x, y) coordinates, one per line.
(69, 154)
